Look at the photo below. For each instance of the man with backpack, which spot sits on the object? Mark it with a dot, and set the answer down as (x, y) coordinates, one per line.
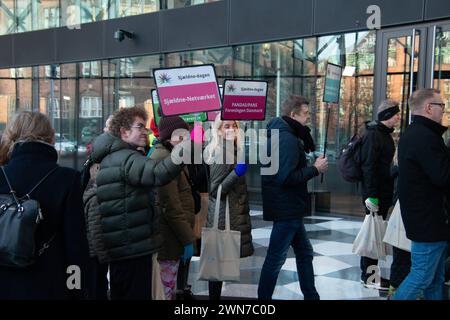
(377, 153)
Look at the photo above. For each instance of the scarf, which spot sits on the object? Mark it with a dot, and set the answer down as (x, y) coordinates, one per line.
(302, 132)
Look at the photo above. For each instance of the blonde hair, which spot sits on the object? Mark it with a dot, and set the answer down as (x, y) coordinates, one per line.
(215, 146)
(25, 127)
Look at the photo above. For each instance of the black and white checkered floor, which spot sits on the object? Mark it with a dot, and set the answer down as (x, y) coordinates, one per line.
(336, 267)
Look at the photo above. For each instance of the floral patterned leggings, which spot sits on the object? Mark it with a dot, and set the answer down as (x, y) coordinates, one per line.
(169, 270)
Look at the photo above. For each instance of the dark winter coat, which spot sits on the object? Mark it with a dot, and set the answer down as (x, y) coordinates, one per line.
(285, 194)
(94, 224)
(177, 212)
(235, 188)
(130, 223)
(377, 153)
(424, 177)
(60, 198)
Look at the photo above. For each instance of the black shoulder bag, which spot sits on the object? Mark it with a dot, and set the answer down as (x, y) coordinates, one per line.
(19, 218)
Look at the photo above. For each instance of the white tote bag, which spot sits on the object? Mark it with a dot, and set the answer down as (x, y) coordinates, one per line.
(157, 285)
(221, 249)
(369, 241)
(395, 233)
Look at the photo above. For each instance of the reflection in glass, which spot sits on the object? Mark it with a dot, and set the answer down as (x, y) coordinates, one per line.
(133, 7)
(65, 122)
(86, 93)
(442, 72)
(398, 82)
(7, 98)
(48, 14)
(7, 18)
(172, 4)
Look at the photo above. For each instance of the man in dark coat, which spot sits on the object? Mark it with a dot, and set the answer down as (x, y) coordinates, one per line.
(377, 153)
(285, 198)
(424, 179)
(130, 225)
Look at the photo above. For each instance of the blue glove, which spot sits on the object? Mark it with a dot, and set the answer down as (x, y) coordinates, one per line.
(188, 252)
(241, 169)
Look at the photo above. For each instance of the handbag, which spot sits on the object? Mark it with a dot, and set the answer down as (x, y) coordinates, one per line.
(19, 219)
(369, 241)
(395, 232)
(220, 251)
(157, 285)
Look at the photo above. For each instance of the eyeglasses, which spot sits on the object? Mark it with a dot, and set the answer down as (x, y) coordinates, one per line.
(140, 126)
(442, 105)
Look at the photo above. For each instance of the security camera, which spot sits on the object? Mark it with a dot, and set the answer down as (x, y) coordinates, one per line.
(120, 34)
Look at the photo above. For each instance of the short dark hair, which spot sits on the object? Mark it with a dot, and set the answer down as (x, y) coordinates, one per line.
(419, 97)
(293, 104)
(124, 118)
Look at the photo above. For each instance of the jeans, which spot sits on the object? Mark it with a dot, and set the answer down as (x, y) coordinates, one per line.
(285, 234)
(426, 278)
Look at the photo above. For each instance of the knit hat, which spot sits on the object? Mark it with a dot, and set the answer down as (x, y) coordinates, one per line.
(387, 110)
(167, 125)
(154, 128)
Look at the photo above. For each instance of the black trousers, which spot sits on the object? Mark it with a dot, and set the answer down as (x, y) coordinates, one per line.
(99, 280)
(400, 267)
(183, 275)
(215, 290)
(131, 279)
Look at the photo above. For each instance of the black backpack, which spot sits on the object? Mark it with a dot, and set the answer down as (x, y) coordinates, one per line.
(349, 162)
(19, 219)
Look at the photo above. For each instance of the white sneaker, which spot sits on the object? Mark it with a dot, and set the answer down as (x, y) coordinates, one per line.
(382, 285)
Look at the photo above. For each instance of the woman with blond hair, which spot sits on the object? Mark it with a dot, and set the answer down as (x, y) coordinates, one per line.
(225, 157)
(27, 155)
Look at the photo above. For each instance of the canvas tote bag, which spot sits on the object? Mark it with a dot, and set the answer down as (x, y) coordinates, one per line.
(395, 233)
(221, 249)
(369, 241)
(157, 285)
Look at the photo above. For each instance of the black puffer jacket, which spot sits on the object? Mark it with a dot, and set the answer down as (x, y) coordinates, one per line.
(377, 153)
(424, 180)
(130, 223)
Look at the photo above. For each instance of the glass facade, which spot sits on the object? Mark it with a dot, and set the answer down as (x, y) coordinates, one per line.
(30, 15)
(80, 96)
(442, 72)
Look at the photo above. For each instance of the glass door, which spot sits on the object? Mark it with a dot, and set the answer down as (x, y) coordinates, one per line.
(440, 67)
(401, 70)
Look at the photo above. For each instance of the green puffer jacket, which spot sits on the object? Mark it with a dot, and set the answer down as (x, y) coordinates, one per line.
(177, 212)
(236, 189)
(130, 223)
(94, 224)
